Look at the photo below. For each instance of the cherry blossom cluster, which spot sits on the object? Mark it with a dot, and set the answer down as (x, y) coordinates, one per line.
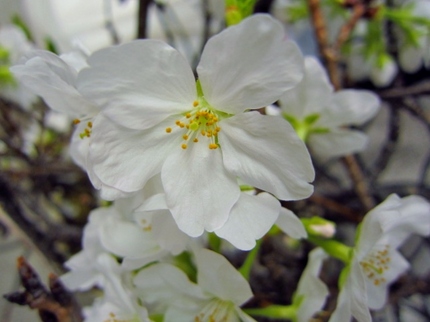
(187, 157)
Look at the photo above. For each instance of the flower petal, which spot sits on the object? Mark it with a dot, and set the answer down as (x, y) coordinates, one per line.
(311, 95)
(311, 287)
(218, 277)
(350, 107)
(265, 152)
(290, 224)
(352, 299)
(336, 143)
(161, 284)
(164, 228)
(250, 219)
(140, 83)
(126, 159)
(48, 76)
(377, 294)
(200, 193)
(126, 239)
(249, 65)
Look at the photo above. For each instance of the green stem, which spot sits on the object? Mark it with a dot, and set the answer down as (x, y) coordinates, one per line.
(333, 248)
(245, 270)
(275, 312)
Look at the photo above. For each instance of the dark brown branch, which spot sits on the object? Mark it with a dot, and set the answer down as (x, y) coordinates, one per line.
(143, 18)
(55, 304)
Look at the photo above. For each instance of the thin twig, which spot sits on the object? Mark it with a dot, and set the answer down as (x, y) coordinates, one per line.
(413, 90)
(330, 58)
(358, 11)
(389, 146)
(321, 34)
(143, 18)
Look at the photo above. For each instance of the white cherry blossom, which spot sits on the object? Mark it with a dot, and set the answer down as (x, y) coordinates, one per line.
(375, 261)
(320, 115)
(219, 291)
(155, 118)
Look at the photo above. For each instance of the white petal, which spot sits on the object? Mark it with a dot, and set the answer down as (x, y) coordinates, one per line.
(311, 287)
(377, 294)
(352, 299)
(199, 191)
(126, 239)
(218, 277)
(161, 284)
(48, 76)
(265, 152)
(336, 143)
(311, 95)
(249, 65)
(371, 227)
(350, 107)
(126, 159)
(250, 219)
(140, 83)
(290, 224)
(413, 218)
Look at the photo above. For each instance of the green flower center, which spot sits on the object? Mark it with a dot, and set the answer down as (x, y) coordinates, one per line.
(305, 127)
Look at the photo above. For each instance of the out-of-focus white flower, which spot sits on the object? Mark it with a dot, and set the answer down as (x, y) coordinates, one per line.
(311, 292)
(156, 118)
(54, 79)
(119, 302)
(319, 114)
(412, 57)
(217, 296)
(85, 267)
(13, 45)
(375, 261)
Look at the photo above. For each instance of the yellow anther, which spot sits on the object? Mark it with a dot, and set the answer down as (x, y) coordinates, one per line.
(196, 140)
(213, 146)
(87, 132)
(195, 103)
(184, 146)
(185, 137)
(181, 125)
(217, 129)
(178, 122)
(188, 115)
(168, 129)
(203, 132)
(76, 121)
(90, 124)
(187, 126)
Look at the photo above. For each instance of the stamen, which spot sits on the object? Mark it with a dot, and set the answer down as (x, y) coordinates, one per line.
(196, 140)
(90, 124)
(168, 130)
(195, 103)
(76, 121)
(213, 146)
(184, 146)
(185, 137)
